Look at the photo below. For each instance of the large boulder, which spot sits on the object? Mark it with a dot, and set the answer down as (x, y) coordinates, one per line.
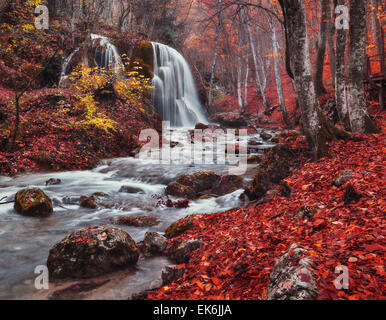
(178, 190)
(180, 226)
(193, 186)
(227, 184)
(91, 252)
(33, 202)
(153, 244)
(291, 278)
(277, 164)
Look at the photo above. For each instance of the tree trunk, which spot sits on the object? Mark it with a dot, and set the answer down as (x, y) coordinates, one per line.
(359, 117)
(331, 46)
(314, 125)
(379, 37)
(340, 74)
(246, 81)
(257, 79)
(276, 65)
(321, 45)
(213, 70)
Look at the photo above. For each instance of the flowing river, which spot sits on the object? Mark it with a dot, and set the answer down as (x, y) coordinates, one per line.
(25, 241)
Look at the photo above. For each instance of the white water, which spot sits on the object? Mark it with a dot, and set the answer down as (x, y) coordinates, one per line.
(25, 241)
(106, 55)
(175, 95)
(63, 74)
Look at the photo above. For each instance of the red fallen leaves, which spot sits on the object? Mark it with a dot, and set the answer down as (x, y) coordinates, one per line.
(242, 245)
(46, 141)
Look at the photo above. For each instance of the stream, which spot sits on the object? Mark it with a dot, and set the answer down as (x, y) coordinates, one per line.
(25, 241)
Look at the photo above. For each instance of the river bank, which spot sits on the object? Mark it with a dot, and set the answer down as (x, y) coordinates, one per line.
(241, 246)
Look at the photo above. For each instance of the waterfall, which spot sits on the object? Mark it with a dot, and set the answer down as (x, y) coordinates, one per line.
(106, 55)
(174, 93)
(63, 74)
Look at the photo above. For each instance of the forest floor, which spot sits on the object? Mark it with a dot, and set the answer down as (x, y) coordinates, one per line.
(242, 245)
(48, 140)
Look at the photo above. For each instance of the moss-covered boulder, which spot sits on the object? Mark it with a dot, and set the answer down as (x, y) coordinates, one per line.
(227, 184)
(180, 226)
(33, 202)
(91, 252)
(179, 190)
(277, 164)
(196, 185)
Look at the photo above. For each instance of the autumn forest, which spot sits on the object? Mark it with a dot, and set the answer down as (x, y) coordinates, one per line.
(192, 150)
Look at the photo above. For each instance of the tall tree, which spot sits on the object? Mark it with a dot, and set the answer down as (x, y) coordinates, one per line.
(276, 65)
(340, 72)
(314, 125)
(215, 54)
(321, 47)
(359, 117)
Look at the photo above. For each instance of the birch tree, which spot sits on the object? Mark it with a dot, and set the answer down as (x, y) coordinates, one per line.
(360, 120)
(215, 54)
(321, 47)
(314, 126)
(276, 65)
(340, 71)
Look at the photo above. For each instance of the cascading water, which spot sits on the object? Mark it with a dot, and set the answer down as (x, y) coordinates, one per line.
(106, 55)
(175, 95)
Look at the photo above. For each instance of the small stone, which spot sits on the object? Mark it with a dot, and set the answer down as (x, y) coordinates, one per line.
(138, 221)
(155, 284)
(52, 181)
(130, 189)
(88, 202)
(171, 273)
(153, 244)
(33, 202)
(343, 178)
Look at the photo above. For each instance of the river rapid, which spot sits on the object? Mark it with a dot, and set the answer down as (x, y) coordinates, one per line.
(25, 241)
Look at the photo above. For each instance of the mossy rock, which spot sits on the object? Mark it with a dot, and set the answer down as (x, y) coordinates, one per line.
(179, 190)
(138, 221)
(33, 202)
(277, 164)
(91, 252)
(180, 226)
(199, 181)
(227, 184)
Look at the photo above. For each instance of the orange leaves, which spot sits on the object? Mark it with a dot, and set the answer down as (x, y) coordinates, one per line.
(242, 246)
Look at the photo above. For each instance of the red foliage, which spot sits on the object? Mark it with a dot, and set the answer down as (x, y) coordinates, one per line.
(47, 142)
(242, 245)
